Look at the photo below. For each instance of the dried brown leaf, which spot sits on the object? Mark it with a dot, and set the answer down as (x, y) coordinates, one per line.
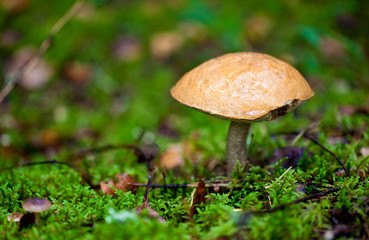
(78, 72)
(151, 212)
(199, 197)
(106, 187)
(124, 180)
(172, 157)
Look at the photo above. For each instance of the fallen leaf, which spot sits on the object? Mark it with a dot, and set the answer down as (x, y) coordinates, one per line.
(106, 188)
(124, 180)
(78, 73)
(14, 6)
(151, 212)
(172, 157)
(50, 137)
(199, 197)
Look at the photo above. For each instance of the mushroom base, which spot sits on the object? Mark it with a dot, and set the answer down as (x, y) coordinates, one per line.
(236, 144)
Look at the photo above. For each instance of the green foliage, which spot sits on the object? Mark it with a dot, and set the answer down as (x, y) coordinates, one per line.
(124, 96)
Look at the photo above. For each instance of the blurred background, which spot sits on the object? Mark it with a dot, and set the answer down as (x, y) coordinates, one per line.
(107, 75)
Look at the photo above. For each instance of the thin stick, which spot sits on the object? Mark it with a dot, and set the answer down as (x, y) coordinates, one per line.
(327, 150)
(282, 206)
(306, 135)
(209, 183)
(148, 185)
(165, 182)
(281, 176)
(29, 65)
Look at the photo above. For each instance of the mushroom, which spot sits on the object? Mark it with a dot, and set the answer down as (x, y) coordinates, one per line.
(242, 87)
(15, 217)
(36, 206)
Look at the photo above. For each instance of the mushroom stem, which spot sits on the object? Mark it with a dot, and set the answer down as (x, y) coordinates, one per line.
(37, 218)
(236, 144)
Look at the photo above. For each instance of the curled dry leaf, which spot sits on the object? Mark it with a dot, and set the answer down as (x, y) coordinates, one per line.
(199, 197)
(124, 180)
(14, 6)
(50, 137)
(78, 73)
(172, 157)
(151, 212)
(106, 187)
(123, 184)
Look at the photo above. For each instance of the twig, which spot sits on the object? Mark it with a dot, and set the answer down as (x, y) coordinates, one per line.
(46, 162)
(281, 176)
(209, 184)
(165, 182)
(237, 180)
(327, 150)
(148, 186)
(282, 206)
(191, 185)
(306, 135)
(29, 65)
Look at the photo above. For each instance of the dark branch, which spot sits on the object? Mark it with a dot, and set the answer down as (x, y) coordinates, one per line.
(327, 150)
(29, 65)
(300, 200)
